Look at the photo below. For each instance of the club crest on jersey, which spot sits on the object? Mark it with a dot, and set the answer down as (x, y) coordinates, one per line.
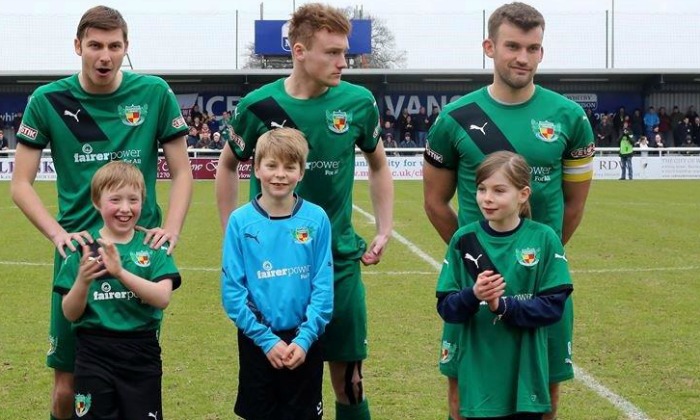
(447, 352)
(302, 235)
(133, 115)
(546, 131)
(338, 121)
(528, 256)
(82, 404)
(141, 258)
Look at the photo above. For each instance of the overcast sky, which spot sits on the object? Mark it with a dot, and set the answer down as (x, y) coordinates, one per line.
(435, 34)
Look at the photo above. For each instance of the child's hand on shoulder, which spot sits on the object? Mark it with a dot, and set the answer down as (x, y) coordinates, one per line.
(277, 354)
(294, 357)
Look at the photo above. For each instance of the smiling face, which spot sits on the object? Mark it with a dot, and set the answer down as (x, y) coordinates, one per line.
(516, 54)
(120, 208)
(102, 53)
(500, 201)
(278, 178)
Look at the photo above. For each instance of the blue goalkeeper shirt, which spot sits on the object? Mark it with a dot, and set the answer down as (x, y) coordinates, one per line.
(277, 273)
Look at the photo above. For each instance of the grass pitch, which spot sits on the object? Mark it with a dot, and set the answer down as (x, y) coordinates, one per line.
(635, 263)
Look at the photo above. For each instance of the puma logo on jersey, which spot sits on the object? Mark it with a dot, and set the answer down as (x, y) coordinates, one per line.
(476, 127)
(70, 114)
(563, 257)
(251, 236)
(155, 416)
(472, 259)
(274, 124)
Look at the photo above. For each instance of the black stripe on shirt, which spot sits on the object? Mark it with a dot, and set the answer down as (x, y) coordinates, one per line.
(76, 117)
(473, 120)
(269, 111)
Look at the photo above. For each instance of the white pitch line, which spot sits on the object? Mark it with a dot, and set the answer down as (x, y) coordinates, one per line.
(632, 412)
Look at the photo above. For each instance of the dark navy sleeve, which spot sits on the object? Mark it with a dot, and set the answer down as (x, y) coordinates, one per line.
(540, 311)
(457, 307)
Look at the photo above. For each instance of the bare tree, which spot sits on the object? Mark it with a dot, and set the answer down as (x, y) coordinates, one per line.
(384, 54)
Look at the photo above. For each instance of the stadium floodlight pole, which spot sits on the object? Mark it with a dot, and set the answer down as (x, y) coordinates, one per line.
(612, 37)
(236, 39)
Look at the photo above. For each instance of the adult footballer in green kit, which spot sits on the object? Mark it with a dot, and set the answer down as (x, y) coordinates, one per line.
(87, 120)
(551, 132)
(335, 117)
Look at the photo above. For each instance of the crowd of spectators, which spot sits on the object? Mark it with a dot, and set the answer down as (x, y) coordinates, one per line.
(207, 131)
(655, 128)
(407, 130)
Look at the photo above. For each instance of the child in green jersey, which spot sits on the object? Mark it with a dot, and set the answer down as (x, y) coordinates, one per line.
(503, 280)
(114, 293)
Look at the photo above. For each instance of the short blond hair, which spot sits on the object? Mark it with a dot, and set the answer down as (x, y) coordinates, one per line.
(114, 175)
(313, 17)
(286, 144)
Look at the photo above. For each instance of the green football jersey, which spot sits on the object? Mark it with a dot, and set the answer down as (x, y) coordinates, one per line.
(110, 304)
(504, 369)
(550, 131)
(334, 124)
(85, 131)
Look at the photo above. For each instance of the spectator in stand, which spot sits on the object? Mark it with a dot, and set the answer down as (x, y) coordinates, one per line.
(676, 118)
(691, 114)
(658, 141)
(391, 119)
(651, 120)
(618, 121)
(604, 132)
(408, 142)
(204, 140)
(387, 129)
(196, 113)
(665, 126)
(637, 123)
(213, 123)
(592, 119)
(3, 143)
(688, 143)
(216, 142)
(683, 129)
(401, 122)
(197, 123)
(192, 138)
(420, 126)
(433, 116)
(695, 130)
(390, 143)
(204, 129)
(408, 128)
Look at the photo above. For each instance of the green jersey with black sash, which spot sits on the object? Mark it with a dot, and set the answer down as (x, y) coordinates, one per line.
(342, 118)
(550, 131)
(110, 304)
(85, 131)
(505, 368)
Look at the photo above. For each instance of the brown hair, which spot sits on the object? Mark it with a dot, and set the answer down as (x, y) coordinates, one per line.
(519, 14)
(116, 174)
(104, 18)
(514, 167)
(285, 144)
(313, 17)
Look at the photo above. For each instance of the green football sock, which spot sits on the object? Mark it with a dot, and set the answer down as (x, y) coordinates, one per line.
(352, 412)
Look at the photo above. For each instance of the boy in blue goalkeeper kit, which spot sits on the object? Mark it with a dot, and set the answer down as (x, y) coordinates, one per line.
(277, 286)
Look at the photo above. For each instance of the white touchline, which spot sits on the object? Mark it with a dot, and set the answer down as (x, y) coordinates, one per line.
(632, 412)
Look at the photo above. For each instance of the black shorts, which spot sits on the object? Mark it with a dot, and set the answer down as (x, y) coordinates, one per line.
(267, 393)
(118, 376)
